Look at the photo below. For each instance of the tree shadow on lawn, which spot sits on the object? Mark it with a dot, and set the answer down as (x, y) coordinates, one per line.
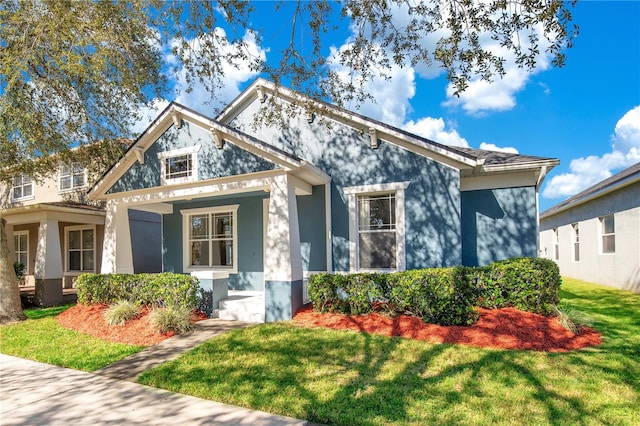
(388, 380)
(615, 316)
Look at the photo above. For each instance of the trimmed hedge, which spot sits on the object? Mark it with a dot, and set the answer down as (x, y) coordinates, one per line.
(440, 296)
(529, 284)
(164, 289)
(444, 296)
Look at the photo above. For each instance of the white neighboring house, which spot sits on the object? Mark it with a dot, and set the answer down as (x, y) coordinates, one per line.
(595, 235)
(57, 235)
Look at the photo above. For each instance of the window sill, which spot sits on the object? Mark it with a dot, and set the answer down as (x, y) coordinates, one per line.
(70, 190)
(207, 269)
(23, 199)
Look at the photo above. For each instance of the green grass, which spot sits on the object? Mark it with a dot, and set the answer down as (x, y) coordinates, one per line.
(349, 378)
(41, 338)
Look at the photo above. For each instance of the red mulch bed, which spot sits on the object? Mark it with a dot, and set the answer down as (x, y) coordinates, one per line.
(506, 328)
(498, 328)
(139, 331)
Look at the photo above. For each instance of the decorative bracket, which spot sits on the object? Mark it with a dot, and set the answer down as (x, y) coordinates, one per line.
(139, 153)
(373, 134)
(310, 116)
(177, 121)
(217, 138)
(261, 95)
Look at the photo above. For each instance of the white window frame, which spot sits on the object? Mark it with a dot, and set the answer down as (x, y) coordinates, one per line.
(164, 156)
(16, 249)
(603, 235)
(556, 244)
(23, 186)
(81, 228)
(71, 174)
(575, 238)
(353, 192)
(186, 228)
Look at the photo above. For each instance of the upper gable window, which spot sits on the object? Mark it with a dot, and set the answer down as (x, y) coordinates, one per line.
(22, 188)
(71, 177)
(179, 165)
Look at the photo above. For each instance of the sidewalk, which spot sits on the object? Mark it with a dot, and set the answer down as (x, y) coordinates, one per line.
(33, 393)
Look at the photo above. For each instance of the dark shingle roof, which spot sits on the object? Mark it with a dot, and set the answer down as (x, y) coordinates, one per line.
(604, 184)
(499, 158)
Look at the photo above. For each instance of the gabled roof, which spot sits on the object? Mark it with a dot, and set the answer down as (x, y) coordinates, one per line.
(460, 158)
(173, 114)
(620, 180)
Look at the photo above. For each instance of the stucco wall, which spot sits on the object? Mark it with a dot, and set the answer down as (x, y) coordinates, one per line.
(498, 224)
(212, 162)
(432, 200)
(620, 269)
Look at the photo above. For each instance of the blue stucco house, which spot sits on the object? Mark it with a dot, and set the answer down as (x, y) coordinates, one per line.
(252, 210)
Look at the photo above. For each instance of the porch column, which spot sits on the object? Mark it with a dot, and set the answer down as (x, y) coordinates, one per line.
(282, 259)
(48, 268)
(117, 256)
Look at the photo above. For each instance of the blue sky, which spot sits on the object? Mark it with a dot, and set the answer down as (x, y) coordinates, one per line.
(587, 114)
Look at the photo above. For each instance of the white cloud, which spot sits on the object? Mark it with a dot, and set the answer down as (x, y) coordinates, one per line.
(434, 129)
(391, 97)
(148, 114)
(234, 75)
(199, 98)
(494, 147)
(627, 132)
(588, 171)
(497, 95)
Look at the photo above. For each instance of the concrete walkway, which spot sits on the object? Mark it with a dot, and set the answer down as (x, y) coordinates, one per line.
(131, 367)
(33, 393)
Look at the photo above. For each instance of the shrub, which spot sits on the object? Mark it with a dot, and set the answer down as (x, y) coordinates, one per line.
(570, 318)
(121, 312)
(165, 289)
(528, 284)
(172, 318)
(439, 295)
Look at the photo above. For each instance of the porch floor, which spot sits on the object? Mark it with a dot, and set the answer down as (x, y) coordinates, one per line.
(28, 294)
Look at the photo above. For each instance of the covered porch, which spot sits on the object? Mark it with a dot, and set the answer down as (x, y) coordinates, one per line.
(55, 242)
(240, 235)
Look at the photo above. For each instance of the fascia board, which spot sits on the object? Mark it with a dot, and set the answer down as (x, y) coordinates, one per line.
(164, 122)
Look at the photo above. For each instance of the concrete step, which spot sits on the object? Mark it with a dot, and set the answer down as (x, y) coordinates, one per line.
(253, 317)
(249, 308)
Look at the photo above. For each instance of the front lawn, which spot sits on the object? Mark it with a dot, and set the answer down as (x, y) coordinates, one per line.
(349, 378)
(41, 338)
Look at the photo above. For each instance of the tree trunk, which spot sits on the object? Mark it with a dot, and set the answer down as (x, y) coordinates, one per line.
(10, 306)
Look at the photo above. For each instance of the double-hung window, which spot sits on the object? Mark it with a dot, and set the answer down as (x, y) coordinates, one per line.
(21, 247)
(22, 188)
(556, 246)
(179, 165)
(608, 229)
(211, 238)
(376, 229)
(71, 176)
(80, 245)
(576, 242)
